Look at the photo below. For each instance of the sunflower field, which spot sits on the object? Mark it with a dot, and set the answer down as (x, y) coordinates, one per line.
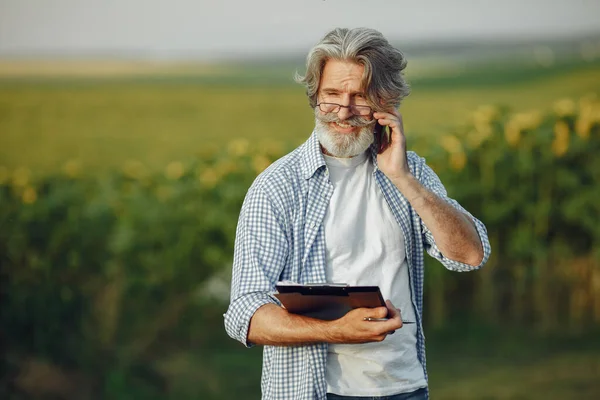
(98, 272)
(532, 177)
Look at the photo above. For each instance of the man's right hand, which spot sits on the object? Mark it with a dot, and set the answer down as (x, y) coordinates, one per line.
(353, 328)
(273, 325)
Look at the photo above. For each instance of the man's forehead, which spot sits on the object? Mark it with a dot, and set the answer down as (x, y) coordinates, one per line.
(345, 75)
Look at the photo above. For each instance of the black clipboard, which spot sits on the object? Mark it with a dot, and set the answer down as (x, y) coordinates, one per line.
(327, 301)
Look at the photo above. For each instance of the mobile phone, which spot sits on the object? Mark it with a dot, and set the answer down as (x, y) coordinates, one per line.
(381, 137)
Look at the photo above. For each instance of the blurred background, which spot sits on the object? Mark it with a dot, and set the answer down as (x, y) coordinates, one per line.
(131, 130)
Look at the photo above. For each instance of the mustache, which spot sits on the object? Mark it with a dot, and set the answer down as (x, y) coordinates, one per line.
(355, 120)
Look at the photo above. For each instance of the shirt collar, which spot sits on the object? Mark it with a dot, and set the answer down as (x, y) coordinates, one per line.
(312, 158)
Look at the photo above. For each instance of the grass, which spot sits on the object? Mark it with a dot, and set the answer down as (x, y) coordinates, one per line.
(105, 122)
(513, 364)
(558, 376)
(463, 363)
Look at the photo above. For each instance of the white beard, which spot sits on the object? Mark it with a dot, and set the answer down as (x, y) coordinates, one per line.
(343, 145)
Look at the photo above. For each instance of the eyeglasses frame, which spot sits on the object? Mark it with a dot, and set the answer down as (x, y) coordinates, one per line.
(351, 107)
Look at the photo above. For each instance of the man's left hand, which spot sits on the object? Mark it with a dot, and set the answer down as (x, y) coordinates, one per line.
(455, 233)
(392, 161)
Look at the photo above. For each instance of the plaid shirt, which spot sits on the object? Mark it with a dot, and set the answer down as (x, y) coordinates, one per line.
(280, 237)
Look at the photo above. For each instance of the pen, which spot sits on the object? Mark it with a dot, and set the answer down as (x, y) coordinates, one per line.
(385, 319)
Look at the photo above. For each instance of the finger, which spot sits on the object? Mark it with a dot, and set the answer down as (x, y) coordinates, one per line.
(386, 327)
(380, 312)
(390, 306)
(394, 114)
(393, 313)
(381, 338)
(392, 122)
(393, 324)
(388, 311)
(381, 114)
(397, 136)
(365, 312)
(397, 115)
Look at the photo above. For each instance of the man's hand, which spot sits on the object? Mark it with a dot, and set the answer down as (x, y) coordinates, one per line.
(352, 327)
(273, 325)
(454, 232)
(392, 160)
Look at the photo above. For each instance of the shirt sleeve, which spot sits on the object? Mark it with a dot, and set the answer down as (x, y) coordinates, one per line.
(260, 252)
(432, 182)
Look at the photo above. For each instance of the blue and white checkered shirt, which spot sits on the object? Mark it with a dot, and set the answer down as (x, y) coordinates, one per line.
(280, 237)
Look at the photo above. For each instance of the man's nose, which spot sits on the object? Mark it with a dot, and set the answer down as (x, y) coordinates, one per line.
(344, 113)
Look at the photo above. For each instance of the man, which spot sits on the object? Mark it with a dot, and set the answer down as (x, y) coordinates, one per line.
(341, 208)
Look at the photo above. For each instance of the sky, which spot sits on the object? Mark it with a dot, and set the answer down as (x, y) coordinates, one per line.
(197, 29)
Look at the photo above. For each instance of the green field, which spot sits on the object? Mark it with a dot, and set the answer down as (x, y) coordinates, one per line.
(102, 271)
(104, 122)
(464, 363)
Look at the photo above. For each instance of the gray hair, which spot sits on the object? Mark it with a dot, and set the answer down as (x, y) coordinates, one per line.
(383, 79)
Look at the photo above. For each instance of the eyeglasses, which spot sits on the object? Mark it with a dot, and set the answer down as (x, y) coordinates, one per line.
(354, 109)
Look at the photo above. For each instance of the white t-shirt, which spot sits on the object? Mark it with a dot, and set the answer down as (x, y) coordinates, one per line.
(365, 246)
